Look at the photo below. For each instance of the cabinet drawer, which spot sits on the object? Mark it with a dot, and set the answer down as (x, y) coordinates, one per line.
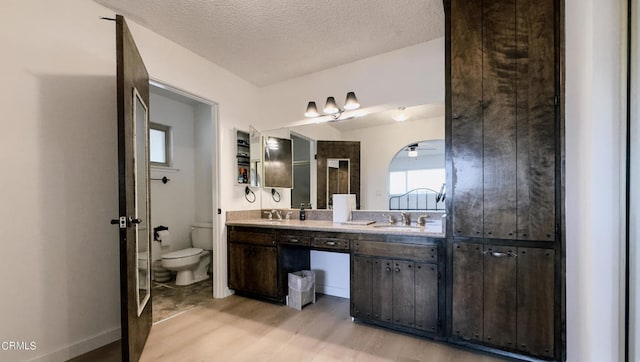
(250, 237)
(330, 243)
(301, 240)
(427, 253)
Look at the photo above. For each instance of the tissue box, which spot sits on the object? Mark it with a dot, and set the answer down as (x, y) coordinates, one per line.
(342, 206)
(302, 289)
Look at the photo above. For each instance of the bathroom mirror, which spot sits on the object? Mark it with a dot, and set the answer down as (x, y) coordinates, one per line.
(255, 157)
(141, 179)
(337, 178)
(278, 162)
(380, 137)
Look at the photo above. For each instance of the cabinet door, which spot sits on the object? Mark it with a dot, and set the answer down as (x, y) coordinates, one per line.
(261, 270)
(426, 292)
(536, 112)
(500, 296)
(403, 293)
(237, 258)
(536, 301)
(499, 118)
(467, 294)
(382, 303)
(361, 287)
(466, 117)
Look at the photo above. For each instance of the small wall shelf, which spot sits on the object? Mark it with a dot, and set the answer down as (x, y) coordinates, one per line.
(242, 157)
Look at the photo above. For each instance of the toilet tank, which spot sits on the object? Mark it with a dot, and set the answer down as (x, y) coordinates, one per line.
(202, 235)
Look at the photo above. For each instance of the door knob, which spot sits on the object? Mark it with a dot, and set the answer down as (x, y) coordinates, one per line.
(135, 220)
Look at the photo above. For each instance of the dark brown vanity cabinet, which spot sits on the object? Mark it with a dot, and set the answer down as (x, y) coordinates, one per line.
(503, 114)
(503, 296)
(401, 290)
(253, 263)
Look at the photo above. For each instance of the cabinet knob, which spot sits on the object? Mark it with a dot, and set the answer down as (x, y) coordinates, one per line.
(388, 269)
(397, 270)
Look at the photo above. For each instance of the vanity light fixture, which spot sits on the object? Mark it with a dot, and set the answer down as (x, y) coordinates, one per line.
(400, 115)
(413, 151)
(331, 108)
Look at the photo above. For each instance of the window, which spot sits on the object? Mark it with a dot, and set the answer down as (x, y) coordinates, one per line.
(160, 145)
(401, 182)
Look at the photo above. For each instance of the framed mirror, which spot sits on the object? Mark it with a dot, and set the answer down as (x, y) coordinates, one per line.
(141, 179)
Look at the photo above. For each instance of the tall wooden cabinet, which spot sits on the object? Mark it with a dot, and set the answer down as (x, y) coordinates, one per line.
(504, 135)
(504, 118)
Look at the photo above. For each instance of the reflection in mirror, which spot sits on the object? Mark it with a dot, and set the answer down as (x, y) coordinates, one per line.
(417, 176)
(255, 157)
(141, 180)
(380, 135)
(337, 178)
(278, 162)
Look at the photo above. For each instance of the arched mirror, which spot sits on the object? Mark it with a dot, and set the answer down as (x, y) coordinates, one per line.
(416, 177)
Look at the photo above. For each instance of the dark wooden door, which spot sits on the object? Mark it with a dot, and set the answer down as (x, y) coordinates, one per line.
(382, 284)
(536, 119)
(361, 287)
(536, 301)
(467, 291)
(466, 118)
(426, 294)
(261, 270)
(133, 173)
(403, 293)
(500, 280)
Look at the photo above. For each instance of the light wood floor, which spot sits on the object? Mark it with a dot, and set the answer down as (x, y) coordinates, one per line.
(242, 329)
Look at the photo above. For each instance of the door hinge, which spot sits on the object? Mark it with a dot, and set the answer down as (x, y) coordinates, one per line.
(555, 100)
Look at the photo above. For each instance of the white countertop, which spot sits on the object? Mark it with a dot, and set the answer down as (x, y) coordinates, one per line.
(433, 230)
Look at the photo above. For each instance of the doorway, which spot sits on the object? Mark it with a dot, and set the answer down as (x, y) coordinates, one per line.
(184, 190)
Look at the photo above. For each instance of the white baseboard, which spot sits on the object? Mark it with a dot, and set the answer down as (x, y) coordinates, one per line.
(80, 347)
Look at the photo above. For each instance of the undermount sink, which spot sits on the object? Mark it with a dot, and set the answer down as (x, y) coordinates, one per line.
(271, 222)
(399, 227)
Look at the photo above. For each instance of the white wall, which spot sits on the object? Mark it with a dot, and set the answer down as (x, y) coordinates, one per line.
(378, 146)
(332, 273)
(173, 204)
(593, 141)
(59, 260)
(405, 77)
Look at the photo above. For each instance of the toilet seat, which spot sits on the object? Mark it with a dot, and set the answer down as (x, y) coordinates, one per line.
(184, 253)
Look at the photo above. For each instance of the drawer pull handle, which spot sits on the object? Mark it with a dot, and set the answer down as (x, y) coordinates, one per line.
(294, 240)
(330, 243)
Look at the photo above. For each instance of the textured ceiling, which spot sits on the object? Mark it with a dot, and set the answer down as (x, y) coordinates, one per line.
(266, 42)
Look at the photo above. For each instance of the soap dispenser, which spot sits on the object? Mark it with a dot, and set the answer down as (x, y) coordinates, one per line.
(302, 213)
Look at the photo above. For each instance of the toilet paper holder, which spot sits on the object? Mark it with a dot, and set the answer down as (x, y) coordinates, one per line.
(156, 230)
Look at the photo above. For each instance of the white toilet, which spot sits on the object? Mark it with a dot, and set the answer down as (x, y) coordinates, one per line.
(192, 264)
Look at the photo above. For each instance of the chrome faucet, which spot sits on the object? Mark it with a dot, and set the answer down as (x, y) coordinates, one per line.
(422, 219)
(270, 214)
(390, 218)
(406, 218)
(278, 214)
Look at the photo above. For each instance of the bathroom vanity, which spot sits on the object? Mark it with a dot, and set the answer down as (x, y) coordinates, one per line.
(396, 272)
